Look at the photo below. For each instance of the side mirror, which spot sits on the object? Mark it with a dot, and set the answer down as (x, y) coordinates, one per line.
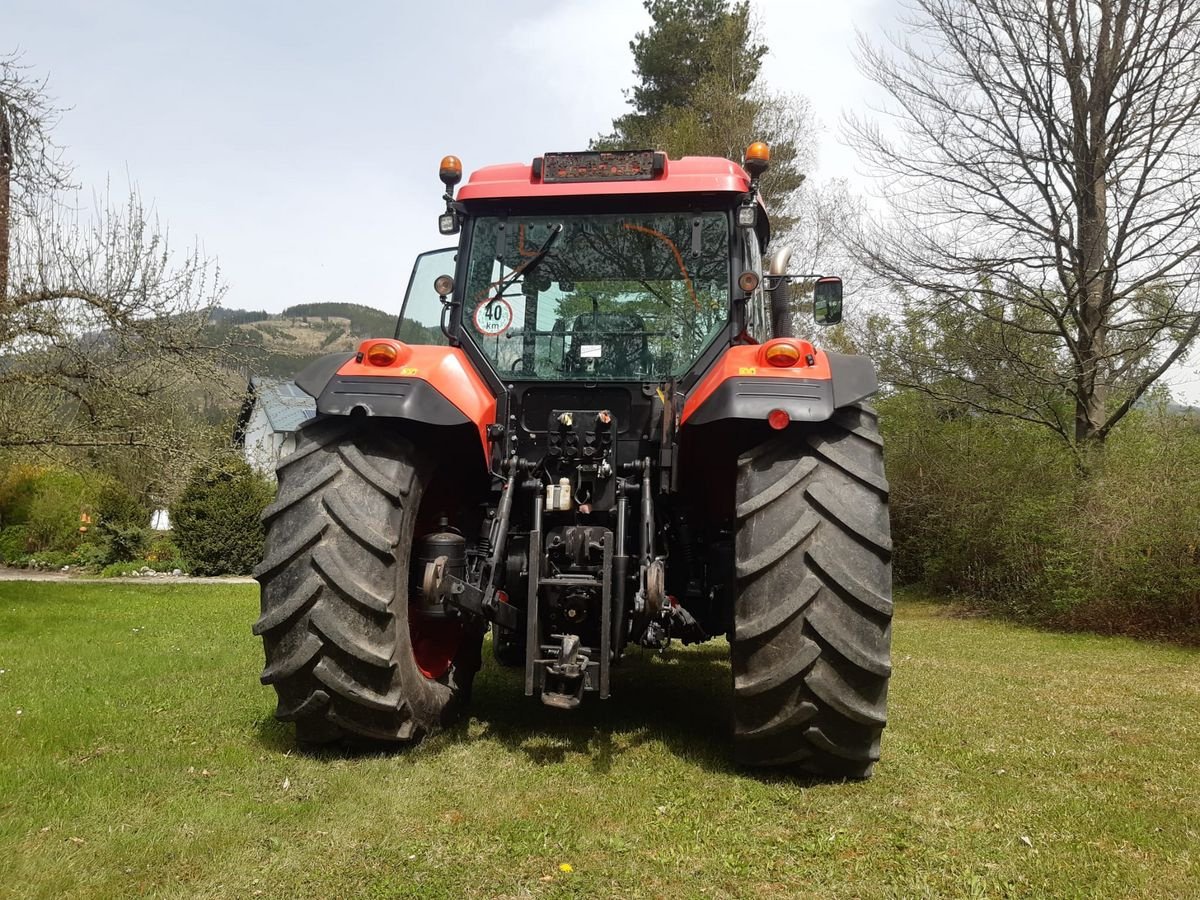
(827, 301)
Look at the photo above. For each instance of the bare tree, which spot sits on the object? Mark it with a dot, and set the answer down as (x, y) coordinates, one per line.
(30, 164)
(105, 342)
(1041, 163)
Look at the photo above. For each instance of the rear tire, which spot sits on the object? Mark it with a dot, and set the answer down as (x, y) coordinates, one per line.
(334, 592)
(811, 643)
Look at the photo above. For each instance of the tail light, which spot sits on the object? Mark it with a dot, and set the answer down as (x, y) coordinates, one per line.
(781, 354)
(383, 353)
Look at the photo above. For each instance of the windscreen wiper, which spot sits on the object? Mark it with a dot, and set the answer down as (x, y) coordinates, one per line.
(529, 265)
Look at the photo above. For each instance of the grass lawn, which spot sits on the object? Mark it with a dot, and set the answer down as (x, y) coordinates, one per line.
(138, 756)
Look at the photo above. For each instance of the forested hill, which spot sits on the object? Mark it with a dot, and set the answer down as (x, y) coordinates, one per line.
(281, 344)
(364, 320)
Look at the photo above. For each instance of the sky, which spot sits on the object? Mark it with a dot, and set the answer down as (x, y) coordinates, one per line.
(298, 142)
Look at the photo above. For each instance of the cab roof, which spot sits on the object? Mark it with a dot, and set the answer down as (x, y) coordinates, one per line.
(689, 175)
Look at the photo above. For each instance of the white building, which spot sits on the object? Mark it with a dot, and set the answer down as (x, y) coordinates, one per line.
(272, 413)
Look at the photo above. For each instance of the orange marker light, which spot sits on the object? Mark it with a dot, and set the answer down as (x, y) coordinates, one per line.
(381, 354)
(781, 354)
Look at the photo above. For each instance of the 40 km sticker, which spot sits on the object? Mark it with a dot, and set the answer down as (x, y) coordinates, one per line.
(493, 318)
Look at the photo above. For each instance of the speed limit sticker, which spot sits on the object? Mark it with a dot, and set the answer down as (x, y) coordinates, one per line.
(493, 317)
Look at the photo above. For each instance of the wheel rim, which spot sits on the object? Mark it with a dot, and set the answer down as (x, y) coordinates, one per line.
(435, 643)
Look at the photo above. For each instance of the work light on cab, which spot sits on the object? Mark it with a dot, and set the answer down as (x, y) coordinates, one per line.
(443, 285)
(748, 281)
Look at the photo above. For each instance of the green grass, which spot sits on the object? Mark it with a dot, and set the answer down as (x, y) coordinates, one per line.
(145, 762)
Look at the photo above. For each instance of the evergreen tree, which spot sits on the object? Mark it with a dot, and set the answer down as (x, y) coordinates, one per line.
(698, 95)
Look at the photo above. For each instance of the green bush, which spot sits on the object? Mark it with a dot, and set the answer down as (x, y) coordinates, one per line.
(998, 511)
(216, 520)
(92, 554)
(121, 542)
(48, 559)
(17, 486)
(54, 510)
(117, 505)
(14, 543)
(162, 547)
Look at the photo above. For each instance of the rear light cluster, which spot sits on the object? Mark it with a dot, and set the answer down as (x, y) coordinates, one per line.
(786, 353)
(383, 353)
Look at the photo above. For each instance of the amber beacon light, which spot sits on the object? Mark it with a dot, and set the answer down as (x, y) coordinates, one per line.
(758, 159)
(450, 171)
(759, 151)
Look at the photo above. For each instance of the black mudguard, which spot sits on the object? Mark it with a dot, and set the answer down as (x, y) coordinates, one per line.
(313, 377)
(377, 395)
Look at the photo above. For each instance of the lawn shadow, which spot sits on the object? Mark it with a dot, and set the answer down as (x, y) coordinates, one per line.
(680, 699)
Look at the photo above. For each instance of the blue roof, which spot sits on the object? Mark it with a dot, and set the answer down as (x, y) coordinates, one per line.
(286, 406)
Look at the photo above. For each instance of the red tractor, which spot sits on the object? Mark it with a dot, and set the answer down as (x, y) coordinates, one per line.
(594, 428)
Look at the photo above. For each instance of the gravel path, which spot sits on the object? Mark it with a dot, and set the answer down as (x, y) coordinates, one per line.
(7, 574)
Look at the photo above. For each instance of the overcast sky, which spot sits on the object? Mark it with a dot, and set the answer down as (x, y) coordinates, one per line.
(298, 141)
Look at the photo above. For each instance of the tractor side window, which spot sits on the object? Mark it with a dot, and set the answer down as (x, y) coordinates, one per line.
(633, 297)
(421, 315)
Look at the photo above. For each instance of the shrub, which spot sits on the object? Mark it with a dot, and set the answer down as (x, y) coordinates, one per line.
(216, 520)
(997, 511)
(14, 543)
(53, 516)
(162, 547)
(48, 559)
(92, 554)
(117, 505)
(120, 543)
(17, 487)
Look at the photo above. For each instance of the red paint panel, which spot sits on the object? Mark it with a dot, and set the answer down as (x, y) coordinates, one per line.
(692, 174)
(745, 361)
(445, 368)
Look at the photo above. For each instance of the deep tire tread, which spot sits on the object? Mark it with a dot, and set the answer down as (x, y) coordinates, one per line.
(334, 618)
(812, 626)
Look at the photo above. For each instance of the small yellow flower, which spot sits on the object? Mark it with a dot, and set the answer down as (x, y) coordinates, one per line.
(565, 867)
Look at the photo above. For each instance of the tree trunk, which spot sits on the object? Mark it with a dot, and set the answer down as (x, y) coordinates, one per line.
(1091, 100)
(5, 196)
